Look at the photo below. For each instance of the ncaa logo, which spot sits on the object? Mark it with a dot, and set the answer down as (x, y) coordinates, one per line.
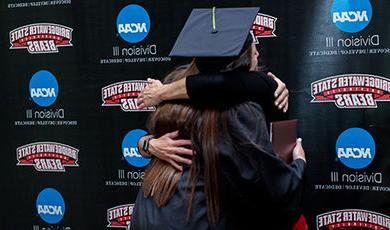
(355, 148)
(130, 148)
(351, 16)
(133, 23)
(50, 206)
(43, 88)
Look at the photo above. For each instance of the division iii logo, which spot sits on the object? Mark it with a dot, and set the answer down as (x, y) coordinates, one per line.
(355, 148)
(353, 219)
(263, 26)
(43, 88)
(47, 156)
(120, 216)
(351, 16)
(130, 148)
(50, 205)
(124, 94)
(133, 23)
(41, 38)
(351, 91)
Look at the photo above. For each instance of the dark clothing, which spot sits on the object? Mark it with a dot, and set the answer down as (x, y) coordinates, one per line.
(258, 191)
(234, 87)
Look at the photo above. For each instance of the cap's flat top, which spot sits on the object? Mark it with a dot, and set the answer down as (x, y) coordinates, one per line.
(232, 26)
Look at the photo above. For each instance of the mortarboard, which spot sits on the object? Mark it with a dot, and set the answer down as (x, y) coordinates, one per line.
(215, 32)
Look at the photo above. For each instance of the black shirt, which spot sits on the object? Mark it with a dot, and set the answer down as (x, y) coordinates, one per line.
(226, 89)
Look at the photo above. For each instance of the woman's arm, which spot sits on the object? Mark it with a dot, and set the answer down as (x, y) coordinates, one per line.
(156, 92)
(167, 148)
(218, 88)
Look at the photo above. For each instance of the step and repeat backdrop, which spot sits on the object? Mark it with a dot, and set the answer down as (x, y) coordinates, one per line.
(71, 72)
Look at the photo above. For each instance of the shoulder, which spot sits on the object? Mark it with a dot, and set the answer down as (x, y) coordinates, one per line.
(254, 79)
(247, 73)
(247, 114)
(248, 108)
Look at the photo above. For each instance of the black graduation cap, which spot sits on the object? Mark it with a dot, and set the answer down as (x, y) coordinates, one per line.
(215, 32)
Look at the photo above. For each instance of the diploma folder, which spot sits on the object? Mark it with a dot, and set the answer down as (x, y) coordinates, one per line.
(283, 135)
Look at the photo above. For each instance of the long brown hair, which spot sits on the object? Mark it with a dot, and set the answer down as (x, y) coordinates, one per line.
(201, 125)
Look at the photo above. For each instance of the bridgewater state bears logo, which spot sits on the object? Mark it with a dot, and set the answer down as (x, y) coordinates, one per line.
(263, 26)
(40, 37)
(47, 156)
(120, 216)
(124, 94)
(353, 219)
(350, 91)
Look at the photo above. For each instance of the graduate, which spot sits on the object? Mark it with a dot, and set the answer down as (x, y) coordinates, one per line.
(234, 181)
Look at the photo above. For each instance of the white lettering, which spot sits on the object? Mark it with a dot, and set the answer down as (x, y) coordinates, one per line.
(43, 92)
(131, 152)
(354, 153)
(350, 16)
(132, 28)
(50, 209)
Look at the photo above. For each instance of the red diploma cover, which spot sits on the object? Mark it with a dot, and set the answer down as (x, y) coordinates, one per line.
(283, 136)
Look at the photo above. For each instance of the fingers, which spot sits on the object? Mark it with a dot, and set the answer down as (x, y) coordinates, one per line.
(173, 134)
(182, 142)
(285, 108)
(281, 85)
(283, 95)
(175, 160)
(183, 151)
(141, 95)
(153, 81)
(299, 152)
(284, 105)
(140, 100)
(179, 159)
(272, 75)
(170, 149)
(175, 165)
(278, 90)
(299, 142)
(141, 106)
(281, 90)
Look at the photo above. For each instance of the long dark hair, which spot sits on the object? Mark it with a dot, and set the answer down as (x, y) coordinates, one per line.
(201, 125)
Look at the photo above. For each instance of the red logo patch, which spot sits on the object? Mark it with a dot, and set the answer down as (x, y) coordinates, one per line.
(41, 37)
(351, 91)
(120, 216)
(47, 156)
(263, 26)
